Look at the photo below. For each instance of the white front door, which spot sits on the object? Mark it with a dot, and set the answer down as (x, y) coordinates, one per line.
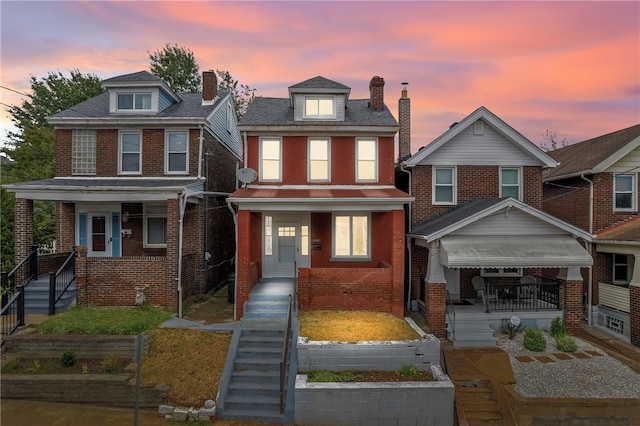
(99, 234)
(286, 249)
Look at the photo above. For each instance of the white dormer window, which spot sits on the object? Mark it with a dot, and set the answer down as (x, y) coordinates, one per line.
(135, 101)
(319, 107)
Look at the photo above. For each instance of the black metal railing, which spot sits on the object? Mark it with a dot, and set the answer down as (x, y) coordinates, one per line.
(285, 357)
(543, 295)
(451, 315)
(12, 315)
(60, 281)
(20, 275)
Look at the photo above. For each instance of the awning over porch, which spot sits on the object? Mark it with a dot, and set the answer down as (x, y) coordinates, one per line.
(511, 251)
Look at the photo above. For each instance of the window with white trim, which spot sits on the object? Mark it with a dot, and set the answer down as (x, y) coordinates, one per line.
(510, 182)
(316, 107)
(366, 160)
(319, 159)
(304, 240)
(155, 225)
(268, 235)
(625, 192)
(271, 159)
(621, 269)
(135, 101)
(130, 148)
(501, 272)
(351, 236)
(83, 152)
(444, 185)
(177, 152)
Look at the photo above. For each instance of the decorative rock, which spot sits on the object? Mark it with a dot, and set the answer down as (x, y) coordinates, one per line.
(206, 414)
(209, 403)
(193, 414)
(164, 409)
(180, 415)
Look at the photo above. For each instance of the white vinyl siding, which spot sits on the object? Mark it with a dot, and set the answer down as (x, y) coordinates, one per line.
(366, 160)
(270, 160)
(319, 160)
(444, 185)
(130, 152)
(83, 152)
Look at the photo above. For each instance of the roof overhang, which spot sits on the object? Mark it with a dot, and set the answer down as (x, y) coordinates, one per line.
(326, 129)
(125, 121)
(511, 251)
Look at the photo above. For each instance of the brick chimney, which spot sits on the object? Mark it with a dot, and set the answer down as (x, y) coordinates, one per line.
(209, 86)
(404, 117)
(376, 92)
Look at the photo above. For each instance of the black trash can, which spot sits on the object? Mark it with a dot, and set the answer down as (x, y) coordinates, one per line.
(231, 287)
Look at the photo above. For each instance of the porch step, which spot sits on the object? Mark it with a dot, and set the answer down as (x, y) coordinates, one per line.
(476, 402)
(275, 309)
(36, 297)
(471, 333)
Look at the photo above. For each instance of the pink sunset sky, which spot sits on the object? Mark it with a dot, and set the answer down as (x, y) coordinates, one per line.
(572, 67)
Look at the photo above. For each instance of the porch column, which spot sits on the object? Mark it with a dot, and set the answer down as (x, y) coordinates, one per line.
(65, 227)
(82, 290)
(173, 239)
(435, 294)
(243, 277)
(570, 297)
(397, 264)
(634, 302)
(22, 228)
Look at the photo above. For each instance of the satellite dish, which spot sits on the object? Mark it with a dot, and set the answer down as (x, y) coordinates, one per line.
(246, 175)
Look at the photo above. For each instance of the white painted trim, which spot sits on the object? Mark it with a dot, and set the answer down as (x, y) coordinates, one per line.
(328, 153)
(260, 159)
(376, 159)
(167, 132)
(121, 153)
(454, 181)
(520, 179)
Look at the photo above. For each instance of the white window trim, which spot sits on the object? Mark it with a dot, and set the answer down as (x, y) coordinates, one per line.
(145, 229)
(166, 153)
(279, 179)
(154, 101)
(328, 140)
(376, 160)
(318, 116)
(519, 169)
(120, 153)
(634, 193)
(454, 184)
(627, 263)
(335, 257)
(501, 272)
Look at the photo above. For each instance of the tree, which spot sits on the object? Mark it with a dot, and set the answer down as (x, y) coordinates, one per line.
(177, 67)
(32, 148)
(552, 138)
(242, 94)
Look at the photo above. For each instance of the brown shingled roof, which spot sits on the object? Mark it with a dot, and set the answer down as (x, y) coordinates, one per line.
(626, 231)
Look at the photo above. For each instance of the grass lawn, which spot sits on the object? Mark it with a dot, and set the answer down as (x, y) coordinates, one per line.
(354, 326)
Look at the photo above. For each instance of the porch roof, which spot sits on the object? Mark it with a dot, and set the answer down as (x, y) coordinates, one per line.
(329, 198)
(511, 251)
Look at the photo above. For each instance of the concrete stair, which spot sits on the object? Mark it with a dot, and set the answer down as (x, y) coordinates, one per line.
(470, 331)
(476, 403)
(36, 297)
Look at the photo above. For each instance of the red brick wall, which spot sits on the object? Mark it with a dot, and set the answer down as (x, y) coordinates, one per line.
(435, 303)
(357, 289)
(634, 300)
(472, 182)
(571, 304)
(22, 228)
(65, 227)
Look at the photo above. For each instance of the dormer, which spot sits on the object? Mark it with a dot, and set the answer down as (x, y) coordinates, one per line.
(139, 93)
(319, 99)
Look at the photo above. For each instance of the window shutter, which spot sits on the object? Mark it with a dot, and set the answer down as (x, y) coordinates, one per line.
(82, 229)
(115, 234)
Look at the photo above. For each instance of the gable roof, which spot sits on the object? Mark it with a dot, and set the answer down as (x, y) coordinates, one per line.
(593, 155)
(319, 82)
(493, 120)
(625, 231)
(477, 209)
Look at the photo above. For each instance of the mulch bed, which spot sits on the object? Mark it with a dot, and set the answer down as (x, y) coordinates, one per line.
(54, 366)
(544, 358)
(581, 355)
(391, 376)
(562, 356)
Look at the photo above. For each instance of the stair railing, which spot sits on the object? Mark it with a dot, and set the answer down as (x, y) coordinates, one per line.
(60, 281)
(285, 358)
(12, 285)
(451, 315)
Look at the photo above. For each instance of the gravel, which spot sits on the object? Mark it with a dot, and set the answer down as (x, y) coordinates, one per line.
(593, 377)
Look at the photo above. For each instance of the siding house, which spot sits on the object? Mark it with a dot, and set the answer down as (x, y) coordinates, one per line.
(141, 178)
(477, 218)
(595, 187)
(323, 208)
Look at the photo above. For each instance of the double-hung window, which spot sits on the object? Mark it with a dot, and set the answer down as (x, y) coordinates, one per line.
(130, 148)
(271, 159)
(625, 189)
(318, 107)
(177, 152)
(366, 160)
(510, 182)
(134, 101)
(319, 159)
(621, 269)
(155, 225)
(444, 185)
(351, 236)
(83, 152)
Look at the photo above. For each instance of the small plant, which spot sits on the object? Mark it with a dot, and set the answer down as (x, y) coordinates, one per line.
(566, 343)
(68, 358)
(109, 364)
(325, 376)
(36, 367)
(557, 328)
(409, 370)
(201, 298)
(534, 340)
(85, 368)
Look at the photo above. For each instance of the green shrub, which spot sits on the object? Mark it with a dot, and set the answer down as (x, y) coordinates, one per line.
(558, 328)
(409, 370)
(534, 340)
(109, 364)
(325, 376)
(68, 358)
(36, 367)
(566, 343)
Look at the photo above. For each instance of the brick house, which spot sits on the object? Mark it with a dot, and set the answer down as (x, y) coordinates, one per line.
(323, 208)
(595, 187)
(141, 178)
(477, 213)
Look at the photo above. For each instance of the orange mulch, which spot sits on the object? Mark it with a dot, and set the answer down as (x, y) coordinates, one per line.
(594, 353)
(524, 358)
(562, 356)
(545, 359)
(581, 355)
